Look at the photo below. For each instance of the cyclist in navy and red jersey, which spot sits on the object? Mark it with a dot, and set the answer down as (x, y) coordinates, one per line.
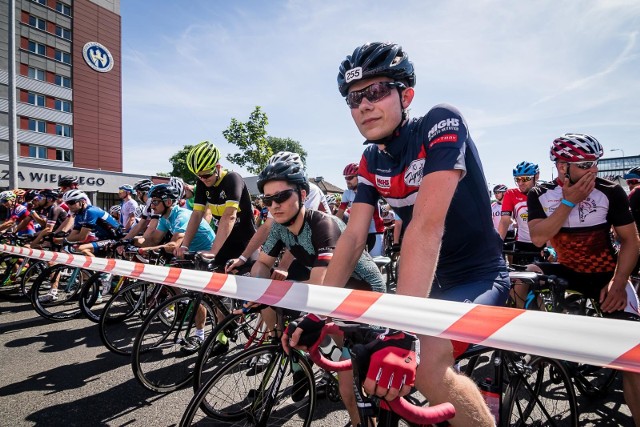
(429, 171)
(576, 213)
(514, 205)
(17, 214)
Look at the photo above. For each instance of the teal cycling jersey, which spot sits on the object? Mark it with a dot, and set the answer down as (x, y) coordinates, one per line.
(177, 223)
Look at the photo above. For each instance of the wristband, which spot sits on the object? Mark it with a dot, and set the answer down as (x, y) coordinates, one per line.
(242, 258)
(185, 247)
(568, 203)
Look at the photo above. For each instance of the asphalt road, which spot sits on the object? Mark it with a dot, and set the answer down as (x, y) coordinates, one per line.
(59, 374)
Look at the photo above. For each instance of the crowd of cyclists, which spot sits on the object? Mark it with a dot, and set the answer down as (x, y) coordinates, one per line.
(420, 179)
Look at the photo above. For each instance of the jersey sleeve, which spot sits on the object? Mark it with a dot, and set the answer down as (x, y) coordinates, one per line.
(445, 142)
(534, 207)
(324, 240)
(200, 198)
(508, 203)
(273, 245)
(162, 226)
(619, 213)
(367, 192)
(233, 186)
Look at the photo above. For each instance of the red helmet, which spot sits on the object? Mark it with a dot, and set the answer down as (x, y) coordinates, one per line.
(350, 170)
(575, 147)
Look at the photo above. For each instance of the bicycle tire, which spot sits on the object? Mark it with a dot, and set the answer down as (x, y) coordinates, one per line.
(540, 393)
(231, 384)
(125, 312)
(241, 332)
(30, 276)
(9, 289)
(70, 281)
(158, 362)
(89, 306)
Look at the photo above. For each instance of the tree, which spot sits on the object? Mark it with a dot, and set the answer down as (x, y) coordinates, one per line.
(251, 139)
(287, 144)
(255, 146)
(179, 163)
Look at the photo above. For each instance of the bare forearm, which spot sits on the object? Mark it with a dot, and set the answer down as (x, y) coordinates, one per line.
(225, 226)
(424, 248)
(543, 230)
(345, 257)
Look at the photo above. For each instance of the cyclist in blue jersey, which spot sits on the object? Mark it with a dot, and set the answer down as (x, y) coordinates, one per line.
(93, 228)
(429, 171)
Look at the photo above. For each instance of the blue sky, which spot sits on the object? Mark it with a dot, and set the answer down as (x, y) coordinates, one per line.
(522, 73)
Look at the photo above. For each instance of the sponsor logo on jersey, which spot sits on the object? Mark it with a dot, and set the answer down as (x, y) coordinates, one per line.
(449, 137)
(446, 125)
(585, 208)
(383, 181)
(413, 174)
(97, 57)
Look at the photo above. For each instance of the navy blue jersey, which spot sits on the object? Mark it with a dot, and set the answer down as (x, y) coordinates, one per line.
(439, 141)
(103, 225)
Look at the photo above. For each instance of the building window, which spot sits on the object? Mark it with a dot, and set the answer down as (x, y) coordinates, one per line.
(63, 8)
(36, 73)
(37, 125)
(64, 155)
(38, 48)
(37, 152)
(63, 130)
(39, 23)
(35, 99)
(63, 56)
(63, 32)
(62, 105)
(42, 2)
(63, 81)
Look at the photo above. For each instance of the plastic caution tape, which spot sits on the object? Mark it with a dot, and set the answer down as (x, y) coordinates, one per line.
(605, 342)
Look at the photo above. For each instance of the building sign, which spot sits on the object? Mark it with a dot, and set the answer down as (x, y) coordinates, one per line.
(50, 180)
(97, 57)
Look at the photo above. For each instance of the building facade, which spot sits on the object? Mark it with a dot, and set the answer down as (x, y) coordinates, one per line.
(68, 93)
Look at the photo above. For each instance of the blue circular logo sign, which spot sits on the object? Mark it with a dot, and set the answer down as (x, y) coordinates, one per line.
(97, 57)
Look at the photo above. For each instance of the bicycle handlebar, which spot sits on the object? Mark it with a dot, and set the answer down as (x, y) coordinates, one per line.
(401, 406)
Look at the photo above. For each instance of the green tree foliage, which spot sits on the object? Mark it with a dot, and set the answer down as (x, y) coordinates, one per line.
(255, 146)
(287, 144)
(179, 163)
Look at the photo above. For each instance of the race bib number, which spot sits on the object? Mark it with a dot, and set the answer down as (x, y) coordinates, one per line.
(353, 74)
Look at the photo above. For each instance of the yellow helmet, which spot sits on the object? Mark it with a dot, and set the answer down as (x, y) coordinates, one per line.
(203, 157)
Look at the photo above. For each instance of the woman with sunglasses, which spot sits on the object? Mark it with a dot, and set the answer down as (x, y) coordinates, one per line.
(576, 213)
(429, 171)
(514, 205)
(310, 236)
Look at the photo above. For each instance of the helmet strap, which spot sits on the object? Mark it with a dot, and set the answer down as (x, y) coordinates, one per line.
(300, 204)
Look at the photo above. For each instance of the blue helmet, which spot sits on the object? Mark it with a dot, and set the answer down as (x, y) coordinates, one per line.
(526, 169)
(126, 187)
(633, 173)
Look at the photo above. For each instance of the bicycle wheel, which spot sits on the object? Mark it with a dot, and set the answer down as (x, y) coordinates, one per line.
(64, 305)
(238, 394)
(125, 312)
(539, 393)
(30, 276)
(9, 279)
(240, 332)
(160, 361)
(93, 297)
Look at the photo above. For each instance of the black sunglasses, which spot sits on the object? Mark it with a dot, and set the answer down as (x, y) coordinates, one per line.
(279, 198)
(206, 175)
(155, 202)
(374, 93)
(72, 202)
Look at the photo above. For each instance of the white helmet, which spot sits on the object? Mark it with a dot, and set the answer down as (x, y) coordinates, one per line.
(178, 184)
(287, 157)
(73, 196)
(115, 209)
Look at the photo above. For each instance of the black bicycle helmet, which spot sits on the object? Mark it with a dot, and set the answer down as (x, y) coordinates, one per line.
(143, 185)
(67, 181)
(164, 192)
(290, 172)
(500, 188)
(375, 60)
(49, 194)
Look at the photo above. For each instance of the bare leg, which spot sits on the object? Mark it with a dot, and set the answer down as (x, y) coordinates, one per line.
(631, 388)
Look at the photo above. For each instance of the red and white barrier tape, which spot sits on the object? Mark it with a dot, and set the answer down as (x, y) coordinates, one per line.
(606, 342)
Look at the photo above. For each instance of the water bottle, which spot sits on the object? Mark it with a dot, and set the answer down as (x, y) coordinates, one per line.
(330, 349)
(491, 395)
